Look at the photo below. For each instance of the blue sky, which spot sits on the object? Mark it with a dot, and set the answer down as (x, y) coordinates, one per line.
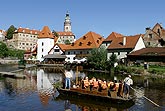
(128, 17)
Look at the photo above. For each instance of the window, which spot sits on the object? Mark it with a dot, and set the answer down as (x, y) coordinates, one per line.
(74, 52)
(42, 44)
(118, 53)
(68, 53)
(42, 56)
(150, 35)
(148, 43)
(42, 50)
(56, 50)
(80, 52)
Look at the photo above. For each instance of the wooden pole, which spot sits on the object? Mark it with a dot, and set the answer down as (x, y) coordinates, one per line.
(76, 75)
(146, 98)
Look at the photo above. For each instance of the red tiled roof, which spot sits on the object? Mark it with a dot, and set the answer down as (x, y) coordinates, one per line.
(150, 51)
(3, 32)
(113, 36)
(130, 42)
(45, 33)
(27, 31)
(65, 33)
(88, 41)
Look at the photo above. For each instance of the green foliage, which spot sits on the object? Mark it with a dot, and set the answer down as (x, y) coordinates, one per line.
(3, 50)
(57, 85)
(10, 32)
(98, 58)
(112, 60)
(55, 33)
(67, 42)
(6, 52)
(16, 53)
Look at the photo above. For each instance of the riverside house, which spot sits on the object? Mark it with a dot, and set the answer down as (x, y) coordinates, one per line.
(122, 45)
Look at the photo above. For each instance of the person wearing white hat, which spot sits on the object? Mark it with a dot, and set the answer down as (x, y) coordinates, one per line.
(127, 82)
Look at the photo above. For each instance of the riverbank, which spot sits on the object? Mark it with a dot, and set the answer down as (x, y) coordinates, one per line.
(8, 61)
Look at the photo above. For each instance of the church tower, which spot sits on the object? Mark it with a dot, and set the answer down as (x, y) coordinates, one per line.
(67, 23)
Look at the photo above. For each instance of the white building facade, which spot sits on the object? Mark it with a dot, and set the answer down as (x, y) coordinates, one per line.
(45, 43)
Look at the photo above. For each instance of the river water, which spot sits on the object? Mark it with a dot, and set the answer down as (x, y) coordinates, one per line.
(36, 93)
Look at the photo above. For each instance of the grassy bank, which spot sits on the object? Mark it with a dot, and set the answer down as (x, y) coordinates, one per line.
(156, 70)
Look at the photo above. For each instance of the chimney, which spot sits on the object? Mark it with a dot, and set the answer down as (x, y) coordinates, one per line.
(148, 28)
(124, 40)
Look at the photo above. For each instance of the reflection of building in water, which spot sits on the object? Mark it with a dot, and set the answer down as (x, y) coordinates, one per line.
(44, 84)
(21, 85)
(1, 86)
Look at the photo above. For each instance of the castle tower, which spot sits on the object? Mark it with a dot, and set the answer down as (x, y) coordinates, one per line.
(67, 23)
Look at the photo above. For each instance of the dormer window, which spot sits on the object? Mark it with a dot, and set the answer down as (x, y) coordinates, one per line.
(42, 33)
(100, 38)
(98, 41)
(89, 43)
(80, 43)
(84, 37)
(150, 35)
(72, 44)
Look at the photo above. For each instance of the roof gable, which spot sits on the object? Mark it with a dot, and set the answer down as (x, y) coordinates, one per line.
(45, 33)
(130, 42)
(113, 36)
(88, 41)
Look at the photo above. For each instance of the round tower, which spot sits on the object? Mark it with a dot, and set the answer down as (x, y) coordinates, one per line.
(67, 23)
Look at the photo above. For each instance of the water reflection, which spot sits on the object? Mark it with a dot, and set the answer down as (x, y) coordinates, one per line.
(36, 92)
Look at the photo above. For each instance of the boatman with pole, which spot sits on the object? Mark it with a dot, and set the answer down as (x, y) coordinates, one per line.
(68, 76)
(127, 82)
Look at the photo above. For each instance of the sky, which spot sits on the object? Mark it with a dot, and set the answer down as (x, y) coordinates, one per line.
(127, 17)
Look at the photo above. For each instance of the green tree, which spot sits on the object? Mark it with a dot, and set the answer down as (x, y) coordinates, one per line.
(3, 50)
(10, 32)
(111, 61)
(67, 42)
(98, 58)
(55, 33)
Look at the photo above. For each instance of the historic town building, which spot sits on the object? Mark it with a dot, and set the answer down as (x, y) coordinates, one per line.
(122, 45)
(81, 48)
(154, 37)
(66, 37)
(45, 43)
(24, 39)
(2, 35)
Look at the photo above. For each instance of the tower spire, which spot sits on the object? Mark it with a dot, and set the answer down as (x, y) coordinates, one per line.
(67, 23)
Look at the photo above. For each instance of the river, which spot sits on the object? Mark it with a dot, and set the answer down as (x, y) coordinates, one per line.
(36, 93)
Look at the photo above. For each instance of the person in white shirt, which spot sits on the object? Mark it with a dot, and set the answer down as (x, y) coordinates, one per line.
(127, 82)
(68, 76)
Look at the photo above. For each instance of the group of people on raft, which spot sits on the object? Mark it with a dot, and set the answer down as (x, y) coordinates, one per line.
(115, 88)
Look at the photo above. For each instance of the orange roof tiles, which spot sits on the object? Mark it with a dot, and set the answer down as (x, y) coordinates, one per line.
(65, 33)
(113, 36)
(88, 41)
(130, 42)
(27, 31)
(45, 33)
